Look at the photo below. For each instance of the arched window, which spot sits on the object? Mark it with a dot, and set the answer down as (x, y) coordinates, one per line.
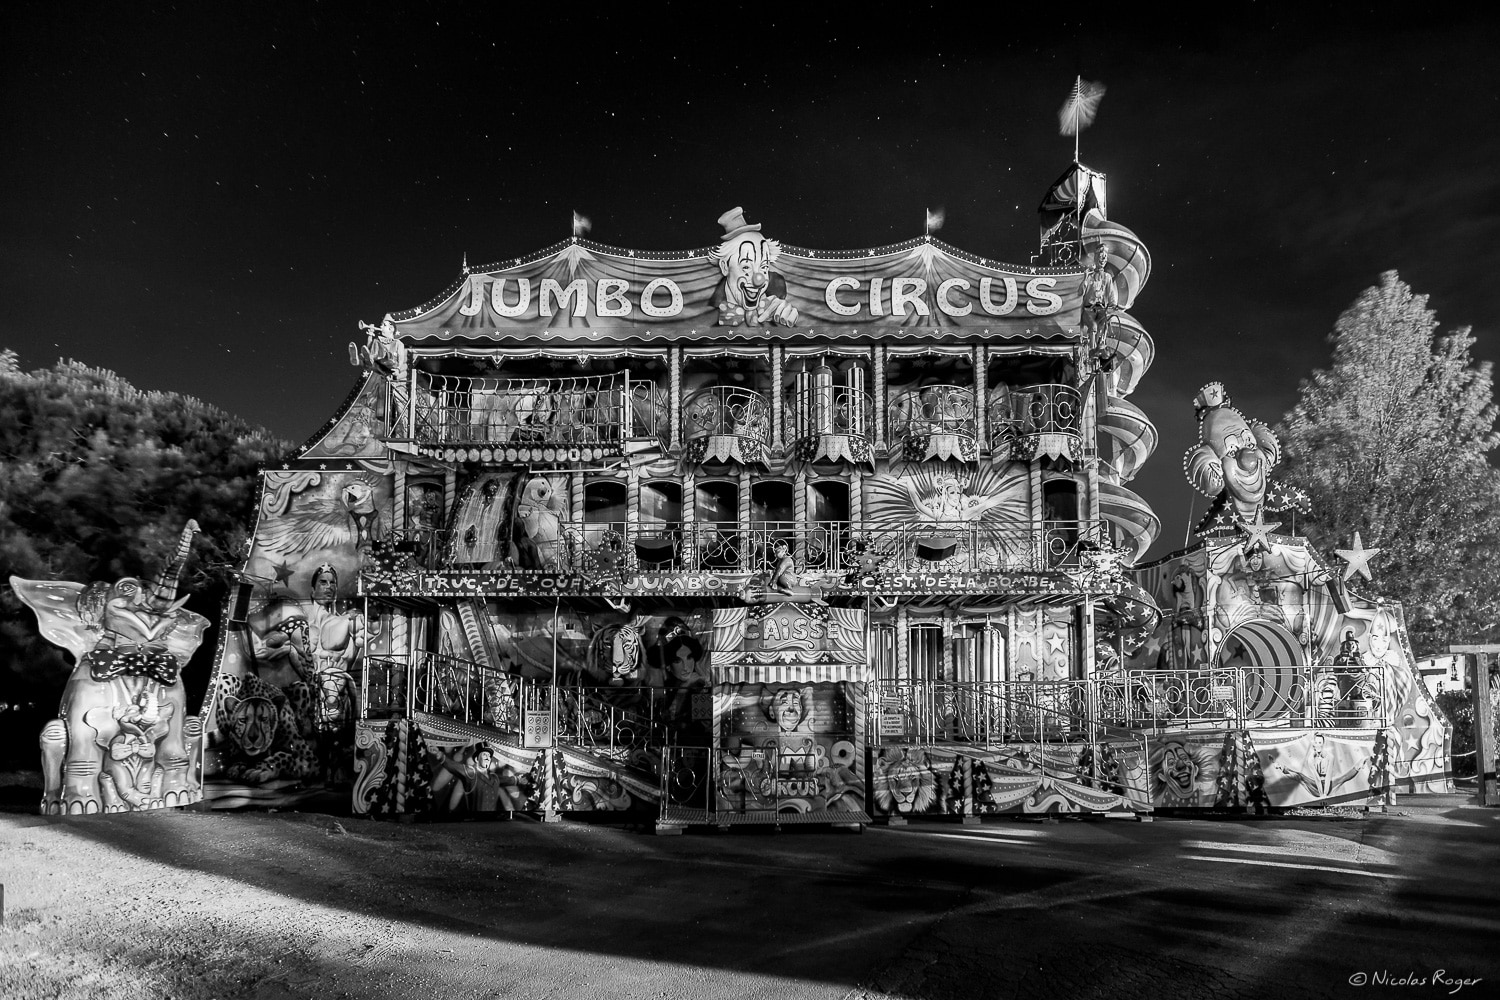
(828, 534)
(716, 510)
(603, 514)
(658, 539)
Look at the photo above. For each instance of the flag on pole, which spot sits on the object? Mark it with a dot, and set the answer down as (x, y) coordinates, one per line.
(1077, 112)
(934, 220)
(581, 224)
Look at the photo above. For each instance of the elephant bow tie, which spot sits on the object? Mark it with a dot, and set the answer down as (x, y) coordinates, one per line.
(159, 665)
(127, 747)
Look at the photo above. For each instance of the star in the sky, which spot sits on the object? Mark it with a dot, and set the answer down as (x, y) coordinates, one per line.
(1358, 559)
(1255, 536)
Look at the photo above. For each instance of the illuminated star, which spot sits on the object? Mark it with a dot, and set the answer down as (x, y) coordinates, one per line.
(283, 573)
(1358, 559)
(1255, 536)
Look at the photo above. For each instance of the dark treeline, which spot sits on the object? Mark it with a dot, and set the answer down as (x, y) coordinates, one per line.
(97, 478)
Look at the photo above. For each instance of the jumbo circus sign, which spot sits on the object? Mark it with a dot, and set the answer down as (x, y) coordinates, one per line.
(516, 584)
(748, 284)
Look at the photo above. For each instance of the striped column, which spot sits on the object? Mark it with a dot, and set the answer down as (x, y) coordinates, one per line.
(690, 518)
(674, 399)
(777, 403)
(744, 520)
(981, 393)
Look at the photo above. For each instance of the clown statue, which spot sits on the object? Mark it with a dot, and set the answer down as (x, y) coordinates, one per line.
(1233, 456)
(1231, 465)
(750, 293)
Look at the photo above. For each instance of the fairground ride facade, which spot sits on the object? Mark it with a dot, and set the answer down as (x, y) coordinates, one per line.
(755, 533)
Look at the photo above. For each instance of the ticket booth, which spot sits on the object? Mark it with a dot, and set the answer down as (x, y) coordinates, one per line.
(790, 682)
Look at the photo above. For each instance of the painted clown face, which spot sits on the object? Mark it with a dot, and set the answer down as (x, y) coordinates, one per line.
(746, 263)
(1179, 772)
(1244, 462)
(787, 709)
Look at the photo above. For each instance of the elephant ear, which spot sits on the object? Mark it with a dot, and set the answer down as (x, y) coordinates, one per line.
(56, 603)
(1204, 470)
(1267, 442)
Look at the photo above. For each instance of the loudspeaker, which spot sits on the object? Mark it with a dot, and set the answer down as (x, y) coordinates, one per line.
(239, 611)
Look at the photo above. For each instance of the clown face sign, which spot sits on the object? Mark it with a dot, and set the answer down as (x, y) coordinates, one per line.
(750, 293)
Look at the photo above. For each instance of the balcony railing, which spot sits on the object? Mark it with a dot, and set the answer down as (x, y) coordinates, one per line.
(1049, 409)
(832, 547)
(825, 410)
(587, 715)
(1019, 711)
(936, 421)
(725, 422)
(583, 412)
(1325, 696)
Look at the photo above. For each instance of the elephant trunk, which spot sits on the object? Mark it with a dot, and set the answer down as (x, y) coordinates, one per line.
(164, 590)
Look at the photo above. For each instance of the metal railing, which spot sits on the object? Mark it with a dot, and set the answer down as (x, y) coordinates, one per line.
(726, 411)
(931, 410)
(1271, 696)
(987, 712)
(1049, 409)
(847, 547)
(836, 409)
(581, 411)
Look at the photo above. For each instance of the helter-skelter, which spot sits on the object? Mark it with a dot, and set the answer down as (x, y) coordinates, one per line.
(755, 533)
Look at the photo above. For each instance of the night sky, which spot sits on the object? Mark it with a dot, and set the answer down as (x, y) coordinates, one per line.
(208, 198)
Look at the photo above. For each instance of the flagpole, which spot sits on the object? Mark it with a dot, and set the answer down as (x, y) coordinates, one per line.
(1077, 89)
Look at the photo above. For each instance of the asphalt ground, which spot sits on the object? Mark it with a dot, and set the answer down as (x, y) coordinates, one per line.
(303, 904)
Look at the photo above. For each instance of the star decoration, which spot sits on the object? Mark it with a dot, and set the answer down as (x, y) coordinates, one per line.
(1255, 536)
(283, 573)
(1055, 642)
(1358, 559)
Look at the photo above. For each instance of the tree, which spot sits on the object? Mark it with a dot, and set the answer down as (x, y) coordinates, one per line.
(97, 478)
(1392, 441)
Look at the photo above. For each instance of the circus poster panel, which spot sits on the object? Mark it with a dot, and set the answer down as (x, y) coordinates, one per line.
(285, 696)
(1184, 771)
(444, 769)
(1318, 768)
(1036, 778)
(789, 747)
(915, 781)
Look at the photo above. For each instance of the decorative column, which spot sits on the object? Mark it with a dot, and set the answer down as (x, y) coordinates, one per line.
(743, 528)
(778, 405)
(674, 399)
(450, 493)
(801, 505)
(903, 644)
(1086, 664)
(950, 670)
(575, 497)
(877, 364)
(981, 397)
(690, 518)
(398, 501)
(632, 513)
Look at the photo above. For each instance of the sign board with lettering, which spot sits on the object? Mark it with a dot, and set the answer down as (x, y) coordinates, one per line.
(537, 731)
(503, 583)
(586, 292)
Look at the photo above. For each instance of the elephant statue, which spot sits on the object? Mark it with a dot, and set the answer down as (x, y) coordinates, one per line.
(122, 740)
